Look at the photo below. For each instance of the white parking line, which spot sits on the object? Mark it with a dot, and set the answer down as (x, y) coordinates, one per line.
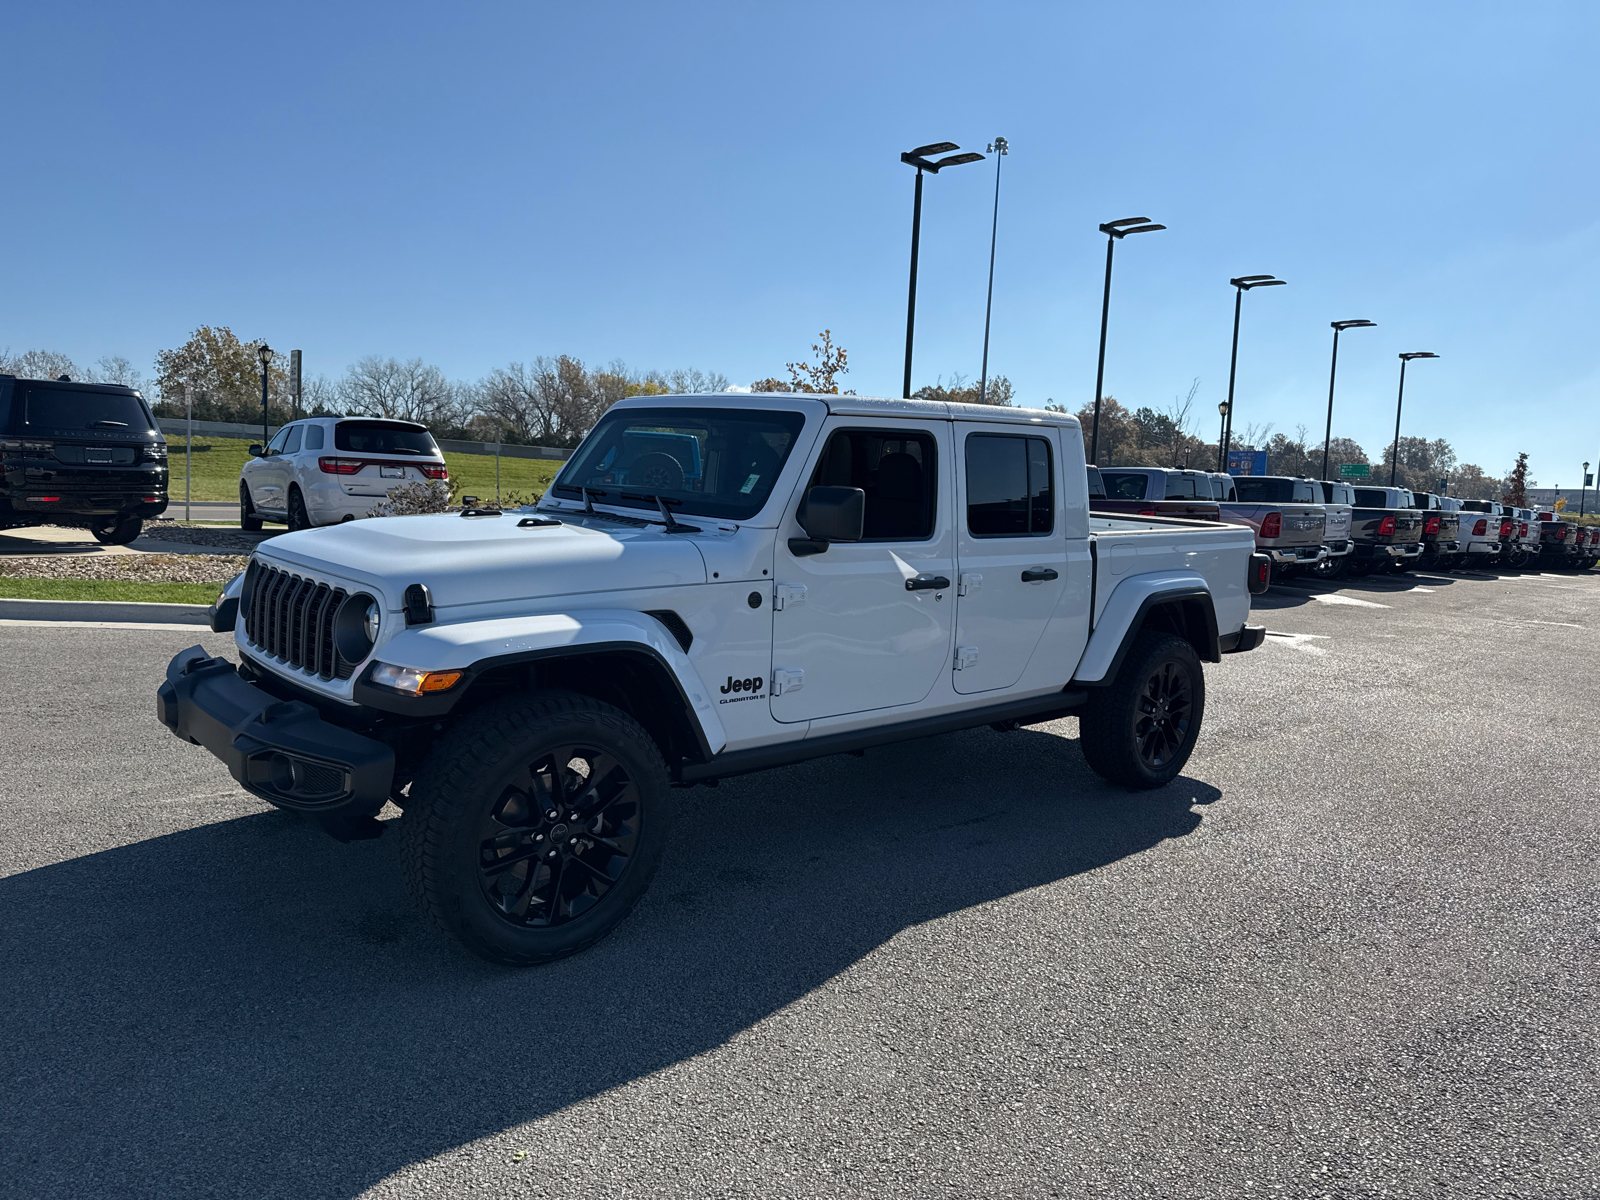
(1299, 641)
(1335, 598)
(196, 630)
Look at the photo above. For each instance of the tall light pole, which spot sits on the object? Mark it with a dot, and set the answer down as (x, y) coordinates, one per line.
(1115, 231)
(264, 353)
(999, 148)
(919, 159)
(1394, 458)
(1583, 493)
(1241, 285)
(1338, 328)
(1224, 409)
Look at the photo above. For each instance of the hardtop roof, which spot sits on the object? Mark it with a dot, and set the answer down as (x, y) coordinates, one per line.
(860, 406)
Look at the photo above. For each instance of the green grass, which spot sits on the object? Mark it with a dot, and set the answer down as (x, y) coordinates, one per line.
(217, 462)
(107, 589)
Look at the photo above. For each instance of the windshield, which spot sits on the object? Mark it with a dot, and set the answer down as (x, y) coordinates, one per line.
(713, 462)
(384, 437)
(66, 410)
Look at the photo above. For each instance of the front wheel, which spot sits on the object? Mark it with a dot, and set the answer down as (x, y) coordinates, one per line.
(531, 834)
(117, 532)
(1140, 731)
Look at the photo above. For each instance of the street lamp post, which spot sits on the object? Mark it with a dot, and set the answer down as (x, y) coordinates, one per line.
(919, 159)
(1394, 458)
(1338, 328)
(1224, 409)
(1583, 492)
(1241, 285)
(264, 353)
(1115, 231)
(999, 148)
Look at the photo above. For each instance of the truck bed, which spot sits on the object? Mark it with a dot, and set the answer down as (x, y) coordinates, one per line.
(1129, 546)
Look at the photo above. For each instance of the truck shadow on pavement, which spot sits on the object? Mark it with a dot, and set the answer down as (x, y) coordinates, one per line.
(248, 1008)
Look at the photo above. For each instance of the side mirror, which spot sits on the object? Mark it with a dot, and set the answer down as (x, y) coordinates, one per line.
(830, 514)
(255, 450)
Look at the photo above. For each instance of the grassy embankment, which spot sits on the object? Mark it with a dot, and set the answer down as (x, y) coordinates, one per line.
(107, 589)
(217, 462)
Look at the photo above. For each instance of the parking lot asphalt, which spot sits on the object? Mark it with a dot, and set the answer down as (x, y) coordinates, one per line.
(1350, 952)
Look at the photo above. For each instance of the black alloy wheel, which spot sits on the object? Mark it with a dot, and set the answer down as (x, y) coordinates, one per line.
(1140, 731)
(298, 517)
(561, 835)
(532, 830)
(1331, 568)
(249, 520)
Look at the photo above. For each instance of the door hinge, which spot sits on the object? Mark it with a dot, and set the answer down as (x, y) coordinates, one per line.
(966, 656)
(787, 595)
(970, 582)
(787, 680)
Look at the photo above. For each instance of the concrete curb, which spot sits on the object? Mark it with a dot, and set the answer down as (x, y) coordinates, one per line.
(135, 612)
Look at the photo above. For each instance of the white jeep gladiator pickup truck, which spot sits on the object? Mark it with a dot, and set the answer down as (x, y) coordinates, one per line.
(713, 585)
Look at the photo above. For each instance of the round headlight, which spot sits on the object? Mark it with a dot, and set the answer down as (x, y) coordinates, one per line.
(374, 616)
(355, 627)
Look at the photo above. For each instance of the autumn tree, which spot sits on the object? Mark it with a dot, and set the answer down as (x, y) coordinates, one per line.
(818, 378)
(999, 392)
(223, 375)
(1516, 493)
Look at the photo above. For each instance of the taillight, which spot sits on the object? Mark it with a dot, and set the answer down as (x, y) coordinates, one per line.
(1522, 530)
(1386, 527)
(438, 472)
(1505, 528)
(1272, 525)
(1561, 534)
(340, 466)
(1147, 512)
(1432, 525)
(1481, 528)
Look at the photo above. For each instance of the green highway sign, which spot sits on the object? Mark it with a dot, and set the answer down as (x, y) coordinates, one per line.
(1355, 470)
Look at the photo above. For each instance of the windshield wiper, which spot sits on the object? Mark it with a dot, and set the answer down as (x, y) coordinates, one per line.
(672, 523)
(403, 450)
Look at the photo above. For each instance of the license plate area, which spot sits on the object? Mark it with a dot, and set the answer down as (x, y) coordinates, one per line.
(392, 472)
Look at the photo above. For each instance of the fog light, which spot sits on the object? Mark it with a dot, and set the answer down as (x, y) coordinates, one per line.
(412, 681)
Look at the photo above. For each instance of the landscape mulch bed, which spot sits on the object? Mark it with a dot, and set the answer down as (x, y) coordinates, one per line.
(139, 568)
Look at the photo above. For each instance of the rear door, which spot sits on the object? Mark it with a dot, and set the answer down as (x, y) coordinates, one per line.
(867, 625)
(1011, 550)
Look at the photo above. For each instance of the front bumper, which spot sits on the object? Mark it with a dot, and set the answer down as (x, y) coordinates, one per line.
(1305, 556)
(280, 750)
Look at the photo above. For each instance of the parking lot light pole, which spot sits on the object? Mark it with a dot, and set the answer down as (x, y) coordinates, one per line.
(1241, 285)
(919, 159)
(1394, 458)
(999, 148)
(1338, 328)
(1115, 231)
(1224, 409)
(1584, 491)
(264, 353)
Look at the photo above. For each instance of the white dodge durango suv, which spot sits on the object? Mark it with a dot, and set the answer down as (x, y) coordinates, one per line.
(324, 470)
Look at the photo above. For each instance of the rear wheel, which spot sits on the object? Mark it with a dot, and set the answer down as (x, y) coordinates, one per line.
(1401, 565)
(248, 520)
(1331, 568)
(117, 531)
(531, 834)
(1142, 729)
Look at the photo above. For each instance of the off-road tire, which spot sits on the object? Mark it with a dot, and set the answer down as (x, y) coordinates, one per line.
(656, 472)
(466, 779)
(118, 533)
(248, 520)
(1109, 730)
(299, 518)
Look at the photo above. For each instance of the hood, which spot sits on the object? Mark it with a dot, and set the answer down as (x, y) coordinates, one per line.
(486, 559)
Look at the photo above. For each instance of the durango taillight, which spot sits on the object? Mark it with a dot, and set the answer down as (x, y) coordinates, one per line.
(340, 466)
(1272, 525)
(435, 472)
(1481, 529)
(1432, 525)
(1386, 527)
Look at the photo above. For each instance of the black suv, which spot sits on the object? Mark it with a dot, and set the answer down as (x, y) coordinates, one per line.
(85, 454)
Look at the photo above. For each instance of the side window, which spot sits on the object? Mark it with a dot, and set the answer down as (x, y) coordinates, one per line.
(275, 446)
(314, 437)
(292, 446)
(1180, 487)
(1009, 486)
(896, 469)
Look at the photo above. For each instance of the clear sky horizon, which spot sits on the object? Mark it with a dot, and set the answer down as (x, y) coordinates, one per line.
(711, 185)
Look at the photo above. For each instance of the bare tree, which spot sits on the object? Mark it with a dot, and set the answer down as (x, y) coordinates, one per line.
(1178, 413)
(406, 391)
(39, 364)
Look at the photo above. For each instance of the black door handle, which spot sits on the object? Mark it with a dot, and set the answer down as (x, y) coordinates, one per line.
(924, 583)
(1038, 575)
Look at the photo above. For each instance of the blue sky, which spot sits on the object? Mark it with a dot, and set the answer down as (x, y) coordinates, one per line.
(708, 185)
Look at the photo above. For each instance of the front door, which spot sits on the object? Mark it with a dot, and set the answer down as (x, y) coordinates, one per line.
(1011, 550)
(867, 625)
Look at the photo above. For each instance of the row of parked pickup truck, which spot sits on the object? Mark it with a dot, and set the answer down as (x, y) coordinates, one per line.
(1327, 528)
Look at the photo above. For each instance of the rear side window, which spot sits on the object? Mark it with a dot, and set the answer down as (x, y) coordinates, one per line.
(313, 437)
(1009, 486)
(69, 410)
(1123, 485)
(383, 437)
(898, 472)
(1180, 487)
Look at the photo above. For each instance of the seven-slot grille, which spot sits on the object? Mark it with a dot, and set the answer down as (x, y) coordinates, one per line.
(290, 618)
